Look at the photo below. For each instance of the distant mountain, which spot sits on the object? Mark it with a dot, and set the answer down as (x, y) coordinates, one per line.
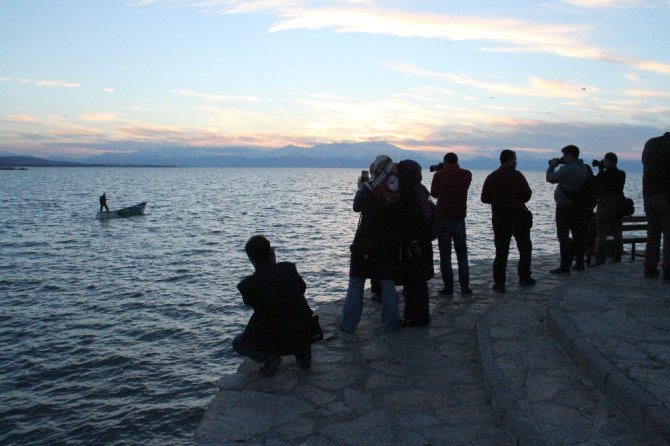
(350, 155)
(31, 161)
(325, 155)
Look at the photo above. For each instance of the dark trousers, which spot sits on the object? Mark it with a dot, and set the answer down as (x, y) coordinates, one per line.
(104, 206)
(453, 229)
(508, 224)
(571, 220)
(416, 303)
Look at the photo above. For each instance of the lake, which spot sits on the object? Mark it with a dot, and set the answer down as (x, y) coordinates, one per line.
(116, 331)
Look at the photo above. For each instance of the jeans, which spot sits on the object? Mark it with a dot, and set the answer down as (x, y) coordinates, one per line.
(353, 305)
(505, 225)
(453, 229)
(657, 209)
(569, 219)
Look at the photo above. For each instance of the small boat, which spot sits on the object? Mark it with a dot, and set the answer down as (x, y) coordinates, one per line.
(130, 211)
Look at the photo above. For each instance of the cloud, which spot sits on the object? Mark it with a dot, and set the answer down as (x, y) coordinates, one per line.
(592, 4)
(21, 119)
(537, 87)
(215, 97)
(99, 117)
(50, 83)
(648, 93)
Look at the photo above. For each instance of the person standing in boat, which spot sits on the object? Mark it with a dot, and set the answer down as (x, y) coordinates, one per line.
(103, 202)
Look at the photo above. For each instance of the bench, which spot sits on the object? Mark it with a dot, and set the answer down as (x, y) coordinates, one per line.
(635, 224)
(634, 231)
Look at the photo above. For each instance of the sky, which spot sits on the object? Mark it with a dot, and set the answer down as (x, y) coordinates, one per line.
(81, 77)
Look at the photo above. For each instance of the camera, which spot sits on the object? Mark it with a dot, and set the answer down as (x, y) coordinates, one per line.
(364, 178)
(436, 167)
(598, 163)
(561, 160)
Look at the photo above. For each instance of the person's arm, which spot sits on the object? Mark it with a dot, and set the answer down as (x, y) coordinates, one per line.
(486, 191)
(435, 186)
(554, 176)
(360, 197)
(246, 289)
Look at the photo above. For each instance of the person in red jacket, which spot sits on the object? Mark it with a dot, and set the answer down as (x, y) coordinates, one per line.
(450, 186)
(507, 191)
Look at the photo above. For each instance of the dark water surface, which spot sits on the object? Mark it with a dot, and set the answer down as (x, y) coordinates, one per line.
(114, 332)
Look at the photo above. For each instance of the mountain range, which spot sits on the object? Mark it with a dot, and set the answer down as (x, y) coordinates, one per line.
(350, 155)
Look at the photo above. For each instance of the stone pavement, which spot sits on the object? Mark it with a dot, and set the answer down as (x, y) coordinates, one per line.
(485, 371)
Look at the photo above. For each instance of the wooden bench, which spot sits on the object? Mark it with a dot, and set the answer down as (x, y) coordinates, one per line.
(635, 224)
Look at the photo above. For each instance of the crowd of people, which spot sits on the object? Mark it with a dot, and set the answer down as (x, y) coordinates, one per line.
(398, 221)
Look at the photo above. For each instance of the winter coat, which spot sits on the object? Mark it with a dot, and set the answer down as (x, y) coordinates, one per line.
(281, 317)
(375, 251)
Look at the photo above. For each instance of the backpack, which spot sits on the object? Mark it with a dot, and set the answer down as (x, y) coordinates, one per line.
(587, 195)
(386, 185)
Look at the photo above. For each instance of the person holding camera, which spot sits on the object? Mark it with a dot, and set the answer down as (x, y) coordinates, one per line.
(571, 215)
(507, 191)
(609, 219)
(656, 194)
(450, 186)
(375, 251)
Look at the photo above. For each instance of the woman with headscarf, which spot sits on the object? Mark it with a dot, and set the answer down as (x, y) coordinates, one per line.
(375, 251)
(417, 250)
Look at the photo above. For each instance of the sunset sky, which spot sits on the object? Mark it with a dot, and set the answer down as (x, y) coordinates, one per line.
(85, 77)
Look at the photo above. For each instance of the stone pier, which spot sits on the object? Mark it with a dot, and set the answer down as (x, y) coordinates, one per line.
(576, 359)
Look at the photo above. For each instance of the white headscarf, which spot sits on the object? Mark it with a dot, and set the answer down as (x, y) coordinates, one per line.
(379, 164)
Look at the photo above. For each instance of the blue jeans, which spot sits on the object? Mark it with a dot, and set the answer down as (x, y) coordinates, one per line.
(453, 229)
(353, 305)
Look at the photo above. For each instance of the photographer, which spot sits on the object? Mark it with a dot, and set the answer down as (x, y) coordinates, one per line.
(450, 186)
(570, 217)
(610, 181)
(375, 251)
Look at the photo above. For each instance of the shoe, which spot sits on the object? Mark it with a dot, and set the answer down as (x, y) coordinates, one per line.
(446, 292)
(596, 264)
(270, 365)
(650, 273)
(528, 281)
(466, 291)
(616, 260)
(498, 287)
(579, 267)
(376, 297)
(560, 270)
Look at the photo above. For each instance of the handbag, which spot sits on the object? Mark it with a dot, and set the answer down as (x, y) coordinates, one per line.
(626, 206)
(527, 216)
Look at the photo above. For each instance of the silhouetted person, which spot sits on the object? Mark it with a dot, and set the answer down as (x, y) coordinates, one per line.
(417, 250)
(507, 191)
(103, 202)
(450, 186)
(609, 217)
(656, 193)
(282, 322)
(375, 251)
(569, 216)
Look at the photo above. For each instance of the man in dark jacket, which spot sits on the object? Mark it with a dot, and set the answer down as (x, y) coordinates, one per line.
(656, 193)
(103, 202)
(450, 186)
(282, 322)
(507, 191)
(610, 181)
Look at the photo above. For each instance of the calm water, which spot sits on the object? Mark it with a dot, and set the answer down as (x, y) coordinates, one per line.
(116, 331)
